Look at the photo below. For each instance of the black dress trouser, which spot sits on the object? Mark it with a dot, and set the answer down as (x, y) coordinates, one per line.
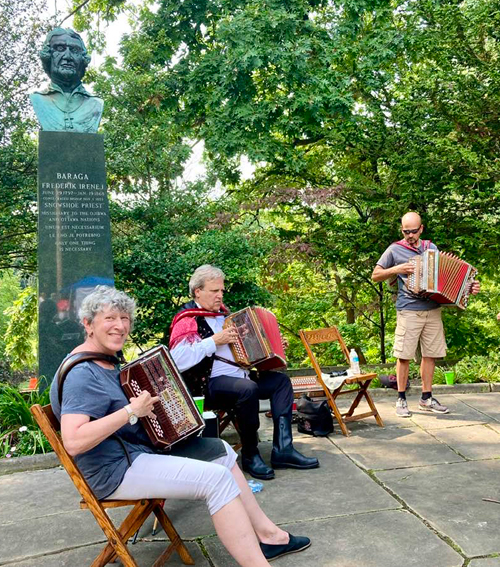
(242, 396)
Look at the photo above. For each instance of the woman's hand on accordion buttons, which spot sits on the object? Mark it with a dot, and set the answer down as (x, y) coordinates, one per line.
(226, 336)
(476, 286)
(142, 406)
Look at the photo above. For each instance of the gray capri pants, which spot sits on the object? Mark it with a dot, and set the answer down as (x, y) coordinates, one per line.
(166, 476)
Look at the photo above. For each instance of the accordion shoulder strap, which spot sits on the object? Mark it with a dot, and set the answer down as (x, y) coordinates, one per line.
(70, 363)
(426, 244)
(227, 361)
(74, 359)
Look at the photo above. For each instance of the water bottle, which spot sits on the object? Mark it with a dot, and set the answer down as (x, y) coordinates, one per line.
(354, 358)
(255, 485)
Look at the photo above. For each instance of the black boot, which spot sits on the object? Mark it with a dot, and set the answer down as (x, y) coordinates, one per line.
(256, 467)
(284, 455)
(251, 461)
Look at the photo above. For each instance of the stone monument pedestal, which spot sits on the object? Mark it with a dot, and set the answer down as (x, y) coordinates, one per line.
(74, 239)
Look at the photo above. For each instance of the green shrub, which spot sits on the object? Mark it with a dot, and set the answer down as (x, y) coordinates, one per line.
(439, 375)
(477, 369)
(19, 433)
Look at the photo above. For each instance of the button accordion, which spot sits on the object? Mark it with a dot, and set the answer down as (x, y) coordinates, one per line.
(443, 277)
(259, 341)
(176, 414)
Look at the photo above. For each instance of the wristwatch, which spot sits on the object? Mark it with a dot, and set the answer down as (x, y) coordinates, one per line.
(132, 418)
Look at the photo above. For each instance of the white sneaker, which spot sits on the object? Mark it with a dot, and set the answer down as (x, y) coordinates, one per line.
(402, 408)
(431, 404)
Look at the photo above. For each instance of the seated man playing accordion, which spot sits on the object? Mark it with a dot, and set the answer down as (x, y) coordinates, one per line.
(200, 347)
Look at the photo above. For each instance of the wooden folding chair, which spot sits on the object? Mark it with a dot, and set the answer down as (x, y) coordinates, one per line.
(328, 335)
(117, 538)
(227, 418)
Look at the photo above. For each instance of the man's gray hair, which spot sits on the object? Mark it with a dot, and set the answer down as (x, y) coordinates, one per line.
(202, 275)
(105, 296)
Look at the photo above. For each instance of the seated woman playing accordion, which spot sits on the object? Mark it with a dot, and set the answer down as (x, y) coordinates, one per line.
(95, 412)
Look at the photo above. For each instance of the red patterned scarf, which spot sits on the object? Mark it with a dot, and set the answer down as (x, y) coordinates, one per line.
(185, 327)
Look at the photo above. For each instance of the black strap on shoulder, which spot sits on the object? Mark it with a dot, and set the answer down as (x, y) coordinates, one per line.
(227, 361)
(74, 359)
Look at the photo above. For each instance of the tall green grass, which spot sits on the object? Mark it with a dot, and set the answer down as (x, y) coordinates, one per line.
(19, 433)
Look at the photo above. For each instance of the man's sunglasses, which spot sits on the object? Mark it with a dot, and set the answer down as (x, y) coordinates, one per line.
(411, 230)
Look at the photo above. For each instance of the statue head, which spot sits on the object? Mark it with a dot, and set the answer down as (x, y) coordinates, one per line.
(64, 57)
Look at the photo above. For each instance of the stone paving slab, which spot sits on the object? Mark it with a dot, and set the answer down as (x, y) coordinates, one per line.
(337, 487)
(386, 409)
(450, 498)
(489, 562)
(144, 552)
(489, 404)
(40, 492)
(461, 408)
(48, 534)
(495, 427)
(472, 442)
(465, 409)
(336, 505)
(388, 448)
(361, 540)
(462, 412)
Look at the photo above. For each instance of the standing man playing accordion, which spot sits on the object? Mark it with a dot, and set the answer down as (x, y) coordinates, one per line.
(200, 347)
(418, 317)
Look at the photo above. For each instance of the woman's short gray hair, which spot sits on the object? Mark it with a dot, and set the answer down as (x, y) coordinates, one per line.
(202, 275)
(105, 296)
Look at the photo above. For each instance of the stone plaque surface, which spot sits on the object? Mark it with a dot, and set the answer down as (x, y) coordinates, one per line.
(74, 239)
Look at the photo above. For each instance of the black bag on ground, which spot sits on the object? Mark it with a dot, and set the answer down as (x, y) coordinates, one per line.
(314, 418)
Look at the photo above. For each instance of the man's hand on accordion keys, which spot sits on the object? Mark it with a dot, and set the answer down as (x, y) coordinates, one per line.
(406, 268)
(475, 287)
(142, 405)
(226, 336)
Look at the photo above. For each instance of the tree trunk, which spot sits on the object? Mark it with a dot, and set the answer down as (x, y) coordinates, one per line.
(383, 357)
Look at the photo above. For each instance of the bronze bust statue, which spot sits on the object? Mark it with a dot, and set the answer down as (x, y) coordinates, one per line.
(65, 105)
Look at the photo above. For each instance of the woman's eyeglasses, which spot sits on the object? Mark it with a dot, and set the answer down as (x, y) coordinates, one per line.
(411, 231)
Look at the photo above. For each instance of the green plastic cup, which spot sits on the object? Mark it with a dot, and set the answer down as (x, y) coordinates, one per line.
(449, 377)
(200, 403)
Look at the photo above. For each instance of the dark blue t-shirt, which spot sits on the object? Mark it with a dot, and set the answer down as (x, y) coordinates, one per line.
(92, 390)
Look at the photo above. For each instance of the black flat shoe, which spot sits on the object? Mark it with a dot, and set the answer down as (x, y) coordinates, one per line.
(295, 544)
(256, 467)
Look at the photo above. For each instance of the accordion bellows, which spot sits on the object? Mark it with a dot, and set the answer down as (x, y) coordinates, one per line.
(443, 277)
(259, 343)
(177, 416)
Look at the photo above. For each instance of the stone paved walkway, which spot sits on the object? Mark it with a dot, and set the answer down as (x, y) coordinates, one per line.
(410, 494)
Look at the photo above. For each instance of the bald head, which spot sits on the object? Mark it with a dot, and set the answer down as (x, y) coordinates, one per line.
(411, 218)
(411, 227)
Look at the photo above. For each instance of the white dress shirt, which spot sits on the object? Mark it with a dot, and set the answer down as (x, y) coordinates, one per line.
(187, 354)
